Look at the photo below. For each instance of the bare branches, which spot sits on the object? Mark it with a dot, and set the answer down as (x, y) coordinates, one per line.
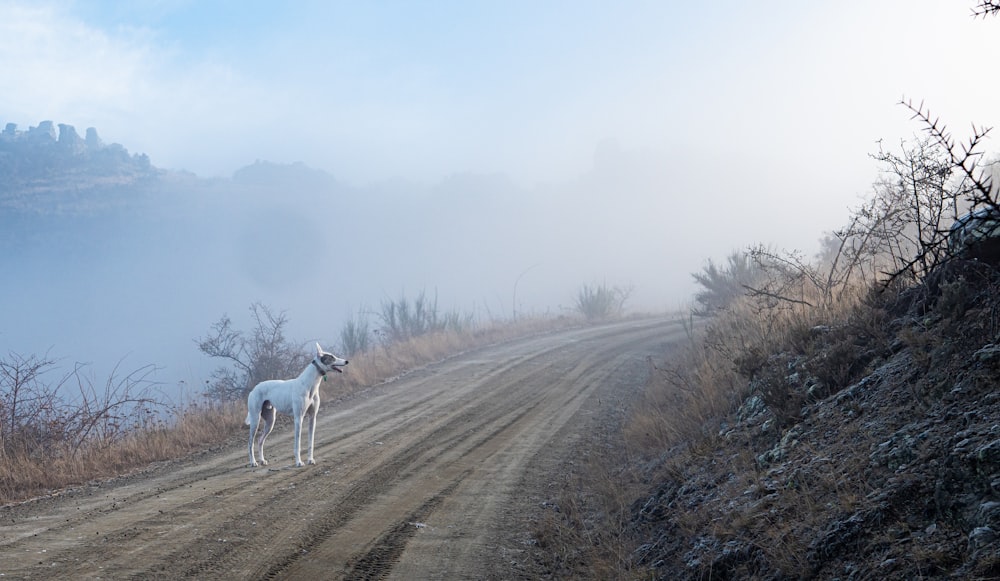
(986, 8)
(37, 415)
(965, 156)
(927, 188)
(264, 354)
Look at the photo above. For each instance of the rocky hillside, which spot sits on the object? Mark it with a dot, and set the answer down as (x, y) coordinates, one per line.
(865, 450)
(48, 168)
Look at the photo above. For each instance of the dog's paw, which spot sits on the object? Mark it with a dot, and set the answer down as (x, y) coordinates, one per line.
(311, 461)
(254, 464)
(299, 464)
(263, 462)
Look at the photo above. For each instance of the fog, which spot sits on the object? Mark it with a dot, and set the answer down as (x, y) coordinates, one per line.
(498, 155)
(143, 279)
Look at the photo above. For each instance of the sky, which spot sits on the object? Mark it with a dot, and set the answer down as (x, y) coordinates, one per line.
(421, 90)
(689, 128)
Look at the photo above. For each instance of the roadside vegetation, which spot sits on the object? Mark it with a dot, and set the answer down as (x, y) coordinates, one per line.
(828, 417)
(60, 429)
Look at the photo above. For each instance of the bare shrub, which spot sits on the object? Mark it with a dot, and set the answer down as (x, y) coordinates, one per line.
(934, 181)
(601, 301)
(721, 285)
(355, 335)
(262, 354)
(178, 432)
(29, 407)
(403, 319)
(986, 8)
(123, 405)
(40, 417)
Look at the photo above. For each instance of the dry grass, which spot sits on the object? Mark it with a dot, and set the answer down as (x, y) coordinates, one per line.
(26, 476)
(677, 423)
(585, 530)
(385, 362)
(705, 379)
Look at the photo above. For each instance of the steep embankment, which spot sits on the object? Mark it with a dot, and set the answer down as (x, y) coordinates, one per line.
(870, 451)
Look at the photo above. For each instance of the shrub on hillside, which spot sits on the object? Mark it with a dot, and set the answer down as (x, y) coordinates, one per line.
(355, 335)
(403, 319)
(601, 301)
(722, 284)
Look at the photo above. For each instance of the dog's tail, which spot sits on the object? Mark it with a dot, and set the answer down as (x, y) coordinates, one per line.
(249, 410)
(252, 405)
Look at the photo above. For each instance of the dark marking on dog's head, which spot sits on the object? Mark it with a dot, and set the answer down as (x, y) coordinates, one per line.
(329, 361)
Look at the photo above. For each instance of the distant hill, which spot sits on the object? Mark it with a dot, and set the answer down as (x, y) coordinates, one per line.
(51, 169)
(44, 167)
(298, 174)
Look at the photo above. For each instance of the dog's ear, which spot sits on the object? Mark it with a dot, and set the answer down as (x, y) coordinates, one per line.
(319, 350)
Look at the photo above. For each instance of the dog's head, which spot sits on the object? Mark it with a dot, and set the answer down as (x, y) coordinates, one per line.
(328, 361)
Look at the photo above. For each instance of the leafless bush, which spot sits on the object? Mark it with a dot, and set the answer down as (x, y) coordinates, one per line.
(403, 320)
(355, 335)
(123, 405)
(43, 417)
(262, 354)
(29, 406)
(933, 182)
(722, 284)
(601, 301)
(986, 8)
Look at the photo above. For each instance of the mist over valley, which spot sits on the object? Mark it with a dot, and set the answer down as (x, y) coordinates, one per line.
(130, 273)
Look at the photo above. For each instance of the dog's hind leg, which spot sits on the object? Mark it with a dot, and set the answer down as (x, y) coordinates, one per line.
(253, 420)
(267, 414)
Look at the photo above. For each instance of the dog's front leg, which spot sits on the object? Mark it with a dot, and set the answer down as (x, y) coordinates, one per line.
(298, 439)
(312, 431)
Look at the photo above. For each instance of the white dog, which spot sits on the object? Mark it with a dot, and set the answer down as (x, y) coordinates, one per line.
(298, 397)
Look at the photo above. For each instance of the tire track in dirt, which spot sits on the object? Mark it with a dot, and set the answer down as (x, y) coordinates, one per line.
(447, 443)
(378, 562)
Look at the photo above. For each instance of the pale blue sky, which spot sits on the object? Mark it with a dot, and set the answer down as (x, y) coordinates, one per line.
(776, 102)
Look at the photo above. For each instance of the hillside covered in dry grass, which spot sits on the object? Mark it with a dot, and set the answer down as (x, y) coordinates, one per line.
(866, 446)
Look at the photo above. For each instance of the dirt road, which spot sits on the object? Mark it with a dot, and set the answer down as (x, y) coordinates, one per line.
(420, 478)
